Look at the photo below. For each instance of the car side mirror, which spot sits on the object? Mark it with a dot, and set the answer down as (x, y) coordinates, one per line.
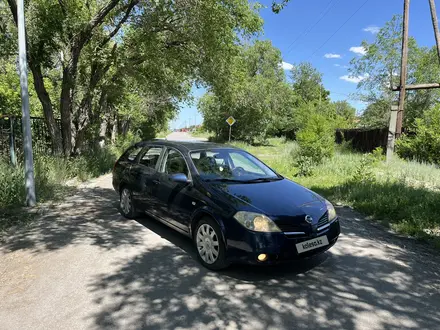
(179, 178)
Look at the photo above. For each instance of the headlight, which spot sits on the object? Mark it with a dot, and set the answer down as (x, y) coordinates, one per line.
(331, 211)
(256, 222)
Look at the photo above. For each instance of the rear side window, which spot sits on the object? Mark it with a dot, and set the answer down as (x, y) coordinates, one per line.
(150, 157)
(131, 153)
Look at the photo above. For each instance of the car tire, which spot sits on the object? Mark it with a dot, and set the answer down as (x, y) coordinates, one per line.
(210, 247)
(126, 204)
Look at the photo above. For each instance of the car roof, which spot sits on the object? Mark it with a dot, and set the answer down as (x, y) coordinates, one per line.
(188, 145)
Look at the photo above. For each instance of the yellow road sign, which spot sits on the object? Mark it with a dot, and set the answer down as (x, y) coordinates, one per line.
(230, 121)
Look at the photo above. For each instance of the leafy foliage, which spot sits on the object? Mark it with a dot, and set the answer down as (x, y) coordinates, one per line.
(316, 142)
(424, 144)
(255, 94)
(377, 114)
(307, 84)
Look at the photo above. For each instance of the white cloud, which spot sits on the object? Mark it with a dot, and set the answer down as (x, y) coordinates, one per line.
(286, 66)
(330, 55)
(354, 79)
(341, 66)
(360, 50)
(372, 29)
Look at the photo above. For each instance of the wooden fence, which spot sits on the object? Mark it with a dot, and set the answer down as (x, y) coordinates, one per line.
(363, 139)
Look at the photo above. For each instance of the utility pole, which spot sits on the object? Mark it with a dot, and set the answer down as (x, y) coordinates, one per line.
(403, 69)
(26, 121)
(391, 133)
(435, 26)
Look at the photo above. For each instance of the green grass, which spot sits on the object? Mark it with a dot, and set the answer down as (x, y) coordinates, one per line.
(51, 174)
(201, 134)
(404, 195)
(163, 134)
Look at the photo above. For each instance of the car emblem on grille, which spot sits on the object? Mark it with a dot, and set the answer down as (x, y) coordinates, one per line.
(309, 219)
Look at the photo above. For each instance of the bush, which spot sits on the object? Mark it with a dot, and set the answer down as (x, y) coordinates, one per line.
(424, 146)
(316, 142)
(122, 143)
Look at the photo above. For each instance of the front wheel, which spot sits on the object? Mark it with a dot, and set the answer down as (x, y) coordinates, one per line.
(126, 204)
(209, 244)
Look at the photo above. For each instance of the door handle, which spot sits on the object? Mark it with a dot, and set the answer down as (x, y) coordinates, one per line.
(156, 181)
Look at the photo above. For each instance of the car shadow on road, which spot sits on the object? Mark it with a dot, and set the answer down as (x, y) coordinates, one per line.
(242, 272)
(354, 285)
(166, 288)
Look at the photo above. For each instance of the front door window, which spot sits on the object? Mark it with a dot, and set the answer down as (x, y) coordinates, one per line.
(175, 163)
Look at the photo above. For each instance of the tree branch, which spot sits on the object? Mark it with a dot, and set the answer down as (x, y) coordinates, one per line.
(13, 7)
(99, 17)
(121, 22)
(84, 35)
(63, 6)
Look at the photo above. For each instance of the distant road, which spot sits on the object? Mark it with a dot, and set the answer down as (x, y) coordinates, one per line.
(184, 136)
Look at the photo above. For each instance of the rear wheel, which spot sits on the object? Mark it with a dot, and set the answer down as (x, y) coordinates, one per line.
(209, 244)
(126, 204)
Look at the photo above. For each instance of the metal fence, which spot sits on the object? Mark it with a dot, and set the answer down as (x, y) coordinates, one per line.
(11, 136)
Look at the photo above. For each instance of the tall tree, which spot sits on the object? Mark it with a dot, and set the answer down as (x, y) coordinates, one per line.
(83, 41)
(307, 84)
(256, 93)
(376, 115)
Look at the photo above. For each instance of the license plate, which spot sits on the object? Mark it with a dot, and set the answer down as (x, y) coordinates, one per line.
(312, 244)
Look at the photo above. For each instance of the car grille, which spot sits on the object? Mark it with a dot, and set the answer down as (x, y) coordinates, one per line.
(323, 220)
(289, 227)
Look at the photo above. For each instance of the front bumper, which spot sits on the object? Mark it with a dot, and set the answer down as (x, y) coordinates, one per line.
(278, 246)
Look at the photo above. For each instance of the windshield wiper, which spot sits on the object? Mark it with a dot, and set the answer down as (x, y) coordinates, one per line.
(263, 179)
(223, 180)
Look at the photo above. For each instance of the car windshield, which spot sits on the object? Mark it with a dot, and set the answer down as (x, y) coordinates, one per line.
(231, 165)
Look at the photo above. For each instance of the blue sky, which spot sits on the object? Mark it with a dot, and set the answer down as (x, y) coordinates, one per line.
(295, 32)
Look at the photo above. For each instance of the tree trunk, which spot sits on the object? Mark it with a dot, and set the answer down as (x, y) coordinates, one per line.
(84, 115)
(43, 96)
(125, 127)
(114, 129)
(103, 129)
(66, 99)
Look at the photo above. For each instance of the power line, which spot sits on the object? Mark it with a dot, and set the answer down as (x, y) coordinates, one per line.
(343, 24)
(307, 31)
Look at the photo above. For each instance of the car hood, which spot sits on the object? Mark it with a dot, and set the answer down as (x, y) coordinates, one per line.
(282, 200)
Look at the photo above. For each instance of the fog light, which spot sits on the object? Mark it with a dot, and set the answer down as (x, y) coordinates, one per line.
(262, 257)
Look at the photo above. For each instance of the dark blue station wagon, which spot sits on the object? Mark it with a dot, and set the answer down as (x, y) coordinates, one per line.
(234, 207)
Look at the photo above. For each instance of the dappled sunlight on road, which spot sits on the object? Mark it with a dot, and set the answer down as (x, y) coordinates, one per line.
(360, 284)
(83, 266)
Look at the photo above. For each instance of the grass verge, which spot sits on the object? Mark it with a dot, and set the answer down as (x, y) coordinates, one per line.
(51, 174)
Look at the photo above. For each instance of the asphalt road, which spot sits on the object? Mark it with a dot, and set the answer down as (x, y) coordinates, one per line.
(83, 266)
